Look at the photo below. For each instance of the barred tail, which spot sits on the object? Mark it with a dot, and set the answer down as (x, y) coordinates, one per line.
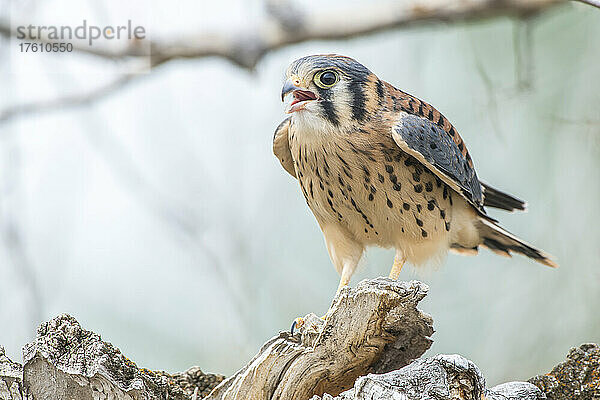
(503, 242)
(497, 199)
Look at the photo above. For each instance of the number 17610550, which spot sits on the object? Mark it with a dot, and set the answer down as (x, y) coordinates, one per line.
(28, 47)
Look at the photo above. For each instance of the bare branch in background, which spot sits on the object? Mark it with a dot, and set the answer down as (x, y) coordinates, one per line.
(79, 99)
(282, 26)
(285, 25)
(12, 237)
(11, 230)
(593, 3)
(490, 89)
(174, 214)
(523, 50)
(580, 122)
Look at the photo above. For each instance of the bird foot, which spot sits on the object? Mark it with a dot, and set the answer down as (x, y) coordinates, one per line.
(300, 322)
(297, 324)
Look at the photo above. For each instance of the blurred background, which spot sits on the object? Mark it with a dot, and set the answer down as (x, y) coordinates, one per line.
(142, 196)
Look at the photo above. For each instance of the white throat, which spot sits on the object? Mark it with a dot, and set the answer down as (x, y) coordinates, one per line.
(310, 128)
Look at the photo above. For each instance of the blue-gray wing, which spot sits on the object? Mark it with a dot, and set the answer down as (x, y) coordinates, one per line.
(431, 145)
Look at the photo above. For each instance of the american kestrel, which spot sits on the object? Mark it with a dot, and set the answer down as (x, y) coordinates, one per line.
(379, 167)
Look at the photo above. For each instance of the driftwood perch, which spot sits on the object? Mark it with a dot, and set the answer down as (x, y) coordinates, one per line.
(366, 348)
(374, 327)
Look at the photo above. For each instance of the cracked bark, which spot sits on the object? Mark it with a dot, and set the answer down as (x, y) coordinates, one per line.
(368, 347)
(576, 378)
(375, 327)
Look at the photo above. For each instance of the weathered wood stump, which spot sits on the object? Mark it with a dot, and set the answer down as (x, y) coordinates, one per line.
(68, 362)
(367, 347)
(444, 377)
(576, 378)
(375, 327)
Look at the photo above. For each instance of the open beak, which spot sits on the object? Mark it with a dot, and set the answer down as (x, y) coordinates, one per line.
(301, 97)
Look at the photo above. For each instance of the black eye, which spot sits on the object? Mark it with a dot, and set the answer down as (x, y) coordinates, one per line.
(326, 79)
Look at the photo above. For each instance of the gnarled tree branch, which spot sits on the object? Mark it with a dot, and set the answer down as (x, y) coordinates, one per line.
(374, 327)
(363, 350)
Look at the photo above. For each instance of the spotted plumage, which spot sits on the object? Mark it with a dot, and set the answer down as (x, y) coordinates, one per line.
(380, 167)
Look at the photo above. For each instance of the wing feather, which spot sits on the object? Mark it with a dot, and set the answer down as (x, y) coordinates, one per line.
(433, 147)
(281, 147)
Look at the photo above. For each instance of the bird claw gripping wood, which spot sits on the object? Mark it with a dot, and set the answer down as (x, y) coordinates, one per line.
(309, 323)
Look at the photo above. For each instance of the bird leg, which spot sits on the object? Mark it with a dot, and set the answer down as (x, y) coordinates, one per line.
(347, 271)
(399, 261)
(345, 276)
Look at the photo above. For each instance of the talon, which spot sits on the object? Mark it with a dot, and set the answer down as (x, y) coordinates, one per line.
(298, 323)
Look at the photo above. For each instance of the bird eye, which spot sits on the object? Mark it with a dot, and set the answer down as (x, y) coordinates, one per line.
(326, 79)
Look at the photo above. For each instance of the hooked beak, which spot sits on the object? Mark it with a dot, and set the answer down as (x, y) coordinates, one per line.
(301, 97)
(288, 86)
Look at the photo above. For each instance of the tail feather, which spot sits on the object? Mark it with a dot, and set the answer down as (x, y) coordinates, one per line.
(464, 251)
(495, 198)
(503, 242)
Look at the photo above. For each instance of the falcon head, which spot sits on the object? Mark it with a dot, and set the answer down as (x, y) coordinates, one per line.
(330, 91)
